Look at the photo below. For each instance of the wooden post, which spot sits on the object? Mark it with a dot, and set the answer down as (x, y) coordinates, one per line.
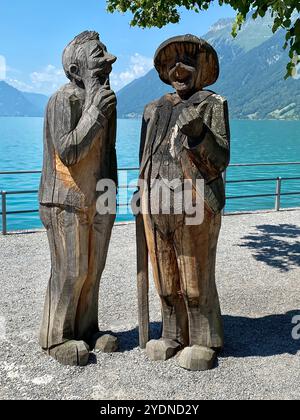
(142, 282)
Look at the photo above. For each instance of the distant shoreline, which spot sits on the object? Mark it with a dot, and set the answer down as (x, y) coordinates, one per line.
(232, 119)
(140, 117)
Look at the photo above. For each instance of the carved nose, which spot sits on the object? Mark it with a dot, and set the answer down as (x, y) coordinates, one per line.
(181, 71)
(111, 59)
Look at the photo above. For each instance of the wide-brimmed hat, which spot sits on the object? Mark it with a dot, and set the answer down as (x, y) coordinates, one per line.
(205, 54)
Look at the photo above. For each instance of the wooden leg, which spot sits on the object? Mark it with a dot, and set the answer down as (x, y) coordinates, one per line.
(68, 239)
(166, 276)
(196, 249)
(87, 312)
(175, 319)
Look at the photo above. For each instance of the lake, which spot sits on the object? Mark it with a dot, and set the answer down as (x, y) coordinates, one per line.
(252, 142)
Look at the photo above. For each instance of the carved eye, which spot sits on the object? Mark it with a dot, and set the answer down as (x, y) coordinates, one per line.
(172, 66)
(97, 52)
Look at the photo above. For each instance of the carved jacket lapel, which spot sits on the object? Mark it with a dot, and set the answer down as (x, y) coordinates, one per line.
(200, 97)
(158, 127)
(164, 116)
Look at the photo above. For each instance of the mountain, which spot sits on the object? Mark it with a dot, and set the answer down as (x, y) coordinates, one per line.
(254, 83)
(133, 97)
(252, 34)
(38, 100)
(14, 103)
(252, 78)
(252, 75)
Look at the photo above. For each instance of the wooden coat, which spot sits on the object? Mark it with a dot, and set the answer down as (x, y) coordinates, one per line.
(205, 161)
(70, 172)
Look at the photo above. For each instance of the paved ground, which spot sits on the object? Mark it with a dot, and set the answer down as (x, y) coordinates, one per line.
(258, 277)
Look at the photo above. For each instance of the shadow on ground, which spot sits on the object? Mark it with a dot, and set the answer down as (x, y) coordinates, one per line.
(274, 245)
(264, 337)
(129, 340)
(244, 337)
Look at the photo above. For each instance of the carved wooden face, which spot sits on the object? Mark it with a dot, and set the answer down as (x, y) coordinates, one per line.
(183, 75)
(98, 58)
(196, 60)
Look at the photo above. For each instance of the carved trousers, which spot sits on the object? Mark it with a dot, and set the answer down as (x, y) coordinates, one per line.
(183, 259)
(78, 243)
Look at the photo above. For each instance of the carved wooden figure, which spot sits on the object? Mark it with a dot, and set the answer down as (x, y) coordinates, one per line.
(185, 135)
(79, 150)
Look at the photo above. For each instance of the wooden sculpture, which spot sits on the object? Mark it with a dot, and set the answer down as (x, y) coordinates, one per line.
(79, 150)
(185, 135)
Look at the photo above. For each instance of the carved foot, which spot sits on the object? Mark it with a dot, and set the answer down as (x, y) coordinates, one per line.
(71, 353)
(106, 344)
(162, 349)
(197, 358)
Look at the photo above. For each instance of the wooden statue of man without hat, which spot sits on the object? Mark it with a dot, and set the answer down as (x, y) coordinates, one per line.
(79, 151)
(185, 137)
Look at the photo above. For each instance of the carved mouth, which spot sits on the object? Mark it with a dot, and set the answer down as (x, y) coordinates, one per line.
(108, 69)
(181, 77)
(182, 84)
(104, 80)
(104, 72)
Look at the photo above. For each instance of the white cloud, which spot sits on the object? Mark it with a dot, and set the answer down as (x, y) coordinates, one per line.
(18, 84)
(48, 80)
(51, 78)
(138, 67)
(3, 68)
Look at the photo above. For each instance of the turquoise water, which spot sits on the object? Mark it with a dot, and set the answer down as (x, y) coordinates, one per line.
(252, 141)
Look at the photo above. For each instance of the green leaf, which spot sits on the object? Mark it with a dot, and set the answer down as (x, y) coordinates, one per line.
(159, 13)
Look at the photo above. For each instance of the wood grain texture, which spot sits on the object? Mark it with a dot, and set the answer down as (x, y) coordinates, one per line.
(142, 282)
(79, 151)
(186, 136)
(193, 47)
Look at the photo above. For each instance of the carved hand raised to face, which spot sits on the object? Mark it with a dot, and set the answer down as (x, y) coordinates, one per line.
(88, 64)
(183, 77)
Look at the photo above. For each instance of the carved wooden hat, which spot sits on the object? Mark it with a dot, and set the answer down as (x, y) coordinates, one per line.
(206, 56)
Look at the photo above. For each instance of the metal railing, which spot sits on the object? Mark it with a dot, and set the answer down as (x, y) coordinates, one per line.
(278, 194)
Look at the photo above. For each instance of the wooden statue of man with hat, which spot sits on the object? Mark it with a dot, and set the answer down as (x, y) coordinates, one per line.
(185, 137)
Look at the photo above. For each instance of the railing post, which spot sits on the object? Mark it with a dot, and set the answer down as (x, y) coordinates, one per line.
(4, 224)
(278, 194)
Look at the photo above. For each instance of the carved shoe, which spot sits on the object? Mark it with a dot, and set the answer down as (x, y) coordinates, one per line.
(71, 353)
(162, 349)
(197, 358)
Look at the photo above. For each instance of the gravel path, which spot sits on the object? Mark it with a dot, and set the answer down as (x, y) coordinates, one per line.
(258, 276)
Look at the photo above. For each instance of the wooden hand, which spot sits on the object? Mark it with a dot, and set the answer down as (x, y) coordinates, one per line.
(92, 87)
(106, 101)
(99, 95)
(190, 122)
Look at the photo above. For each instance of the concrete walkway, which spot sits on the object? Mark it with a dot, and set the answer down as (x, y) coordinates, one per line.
(258, 274)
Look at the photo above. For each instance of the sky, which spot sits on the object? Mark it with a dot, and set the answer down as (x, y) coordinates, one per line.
(33, 34)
